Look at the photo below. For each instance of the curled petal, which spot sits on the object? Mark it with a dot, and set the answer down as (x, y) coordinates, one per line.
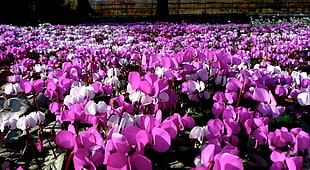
(188, 121)
(171, 128)
(54, 107)
(162, 140)
(38, 86)
(25, 85)
(148, 122)
(207, 155)
(228, 161)
(117, 161)
(294, 163)
(81, 160)
(277, 166)
(261, 95)
(120, 142)
(140, 162)
(216, 127)
(304, 99)
(277, 156)
(65, 139)
(146, 87)
(134, 79)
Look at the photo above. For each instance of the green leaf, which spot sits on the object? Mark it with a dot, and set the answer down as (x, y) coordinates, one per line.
(48, 144)
(12, 137)
(52, 126)
(50, 163)
(176, 47)
(6, 153)
(283, 119)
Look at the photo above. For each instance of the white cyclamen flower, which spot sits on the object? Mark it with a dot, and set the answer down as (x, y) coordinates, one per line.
(38, 116)
(304, 99)
(25, 122)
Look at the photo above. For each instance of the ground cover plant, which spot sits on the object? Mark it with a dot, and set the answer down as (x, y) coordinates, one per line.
(155, 96)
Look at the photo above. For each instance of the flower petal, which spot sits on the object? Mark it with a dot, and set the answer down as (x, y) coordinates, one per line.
(277, 156)
(117, 161)
(140, 162)
(65, 139)
(146, 87)
(294, 163)
(207, 155)
(228, 161)
(120, 142)
(134, 79)
(162, 140)
(261, 95)
(304, 98)
(25, 85)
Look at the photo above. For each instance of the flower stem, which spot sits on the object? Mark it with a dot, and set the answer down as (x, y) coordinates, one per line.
(69, 160)
(42, 134)
(1, 139)
(239, 96)
(35, 100)
(33, 150)
(299, 111)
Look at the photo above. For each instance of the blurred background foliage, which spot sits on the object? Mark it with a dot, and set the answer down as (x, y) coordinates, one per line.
(33, 12)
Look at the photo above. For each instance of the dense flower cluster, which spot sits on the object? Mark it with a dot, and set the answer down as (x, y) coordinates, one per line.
(120, 92)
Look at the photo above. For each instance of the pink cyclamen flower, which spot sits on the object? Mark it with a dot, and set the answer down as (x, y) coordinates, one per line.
(284, 161)
(261, 95)
(35, 86)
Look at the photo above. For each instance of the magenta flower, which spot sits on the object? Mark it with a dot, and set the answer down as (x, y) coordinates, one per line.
(228, 161)
(119, 105)
(216, 127)
(137, 137)
(302, 140)
(261, 95)
(282, 161)
(213, 157)
(88, 149)
(66, 138)
(280, 138)
(35, 86)
(117, 154)
(233, 84)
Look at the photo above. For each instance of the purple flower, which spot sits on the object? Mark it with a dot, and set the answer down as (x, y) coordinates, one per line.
(214, 157)
(302, 140)
(35, 86)
(261, 95)
(228, 161)
(280, 138)
(282, 161)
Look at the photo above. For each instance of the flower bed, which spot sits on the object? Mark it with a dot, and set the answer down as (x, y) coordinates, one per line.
(155, 96)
